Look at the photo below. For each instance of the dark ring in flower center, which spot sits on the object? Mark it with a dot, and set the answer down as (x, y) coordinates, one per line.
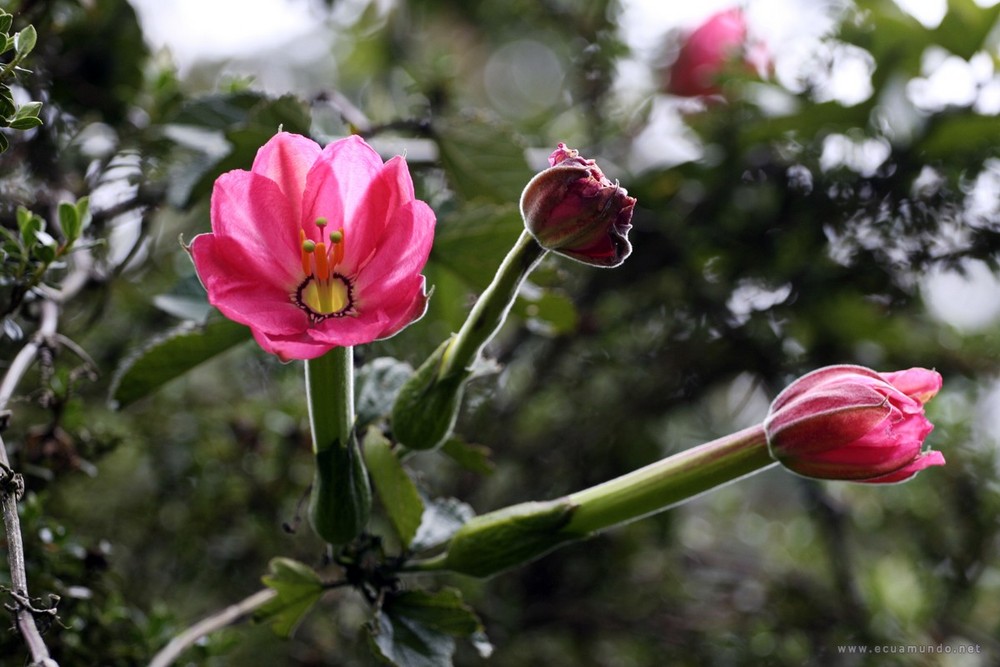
(306, 298)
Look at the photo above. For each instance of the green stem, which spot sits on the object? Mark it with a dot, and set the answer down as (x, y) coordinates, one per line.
(669, 481)
(341, 499)
(490, 311)
(505, 538)
(330, 394)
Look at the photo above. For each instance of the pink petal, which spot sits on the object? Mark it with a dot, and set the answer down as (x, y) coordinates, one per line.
(820, 376)
(401, 254)
(405, 312)
(925, 460)
(387, 193)
(829, 417)
(336, 186)
(919, 384)
(344, 331)
(299, 346)
(238, 288)
(286, 159)
(251, 212)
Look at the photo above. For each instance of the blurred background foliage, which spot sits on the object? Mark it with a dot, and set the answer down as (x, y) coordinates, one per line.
(799, 223)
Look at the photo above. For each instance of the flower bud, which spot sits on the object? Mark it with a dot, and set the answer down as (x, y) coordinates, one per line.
(709, 50)
(851, 423)
(573, 209)
(427, 405)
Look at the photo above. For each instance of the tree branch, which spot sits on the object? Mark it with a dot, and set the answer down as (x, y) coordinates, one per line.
(225, 617)
(11, 484)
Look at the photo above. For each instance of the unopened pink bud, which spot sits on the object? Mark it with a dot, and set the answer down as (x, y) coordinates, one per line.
(573, 209)
(851, 423)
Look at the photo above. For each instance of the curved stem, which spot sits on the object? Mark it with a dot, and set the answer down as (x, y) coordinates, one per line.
(669, 481)
(490, 311)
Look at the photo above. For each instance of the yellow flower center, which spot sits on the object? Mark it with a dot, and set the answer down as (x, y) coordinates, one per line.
(324, 293)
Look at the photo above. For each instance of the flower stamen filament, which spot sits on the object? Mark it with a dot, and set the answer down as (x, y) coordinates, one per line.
(324, 292)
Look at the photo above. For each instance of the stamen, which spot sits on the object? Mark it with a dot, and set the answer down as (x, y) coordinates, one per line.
(337, 238)
(306, 268)
(321, 222)
(322, 262)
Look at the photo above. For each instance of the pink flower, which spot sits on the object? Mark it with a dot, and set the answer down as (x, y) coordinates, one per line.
(316, 248)
(851, 423)
(573, 209)
(709, 50)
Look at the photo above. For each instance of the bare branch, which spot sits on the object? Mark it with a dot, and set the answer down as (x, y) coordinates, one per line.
(12, 485)
(221, 619)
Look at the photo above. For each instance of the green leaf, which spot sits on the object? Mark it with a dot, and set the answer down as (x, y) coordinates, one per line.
(483, 159)
(4, 144)
(83, 212)
(471, 457)
(298, 588)
(24, 41)
(399, 495)
(5, 21)
(172, 355)
(30, 225)
(377, 383)
(406, 643)
(69, 222)
(443, 611)
(7, 106)
(25, 123)
(417, 628)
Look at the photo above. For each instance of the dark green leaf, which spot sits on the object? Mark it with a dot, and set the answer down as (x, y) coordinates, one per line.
(7, 106)
(378, 382)
(5, 21)
(399, 495)
(443, 611)
(171, 356)
(298, 588)
(483, 159)
(416, 628)
(24, 41)
(406, 643)
(4, 144)
(471, 457)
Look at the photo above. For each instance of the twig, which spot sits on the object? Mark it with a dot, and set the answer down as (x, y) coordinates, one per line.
(11, 484)
(228, 616)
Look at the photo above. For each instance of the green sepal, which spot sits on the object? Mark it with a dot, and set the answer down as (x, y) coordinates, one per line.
(341, 499)
(491, 543)
(427, 405)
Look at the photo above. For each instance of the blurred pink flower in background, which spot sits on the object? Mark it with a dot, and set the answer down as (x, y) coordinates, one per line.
(715, 47)
(316, 248)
